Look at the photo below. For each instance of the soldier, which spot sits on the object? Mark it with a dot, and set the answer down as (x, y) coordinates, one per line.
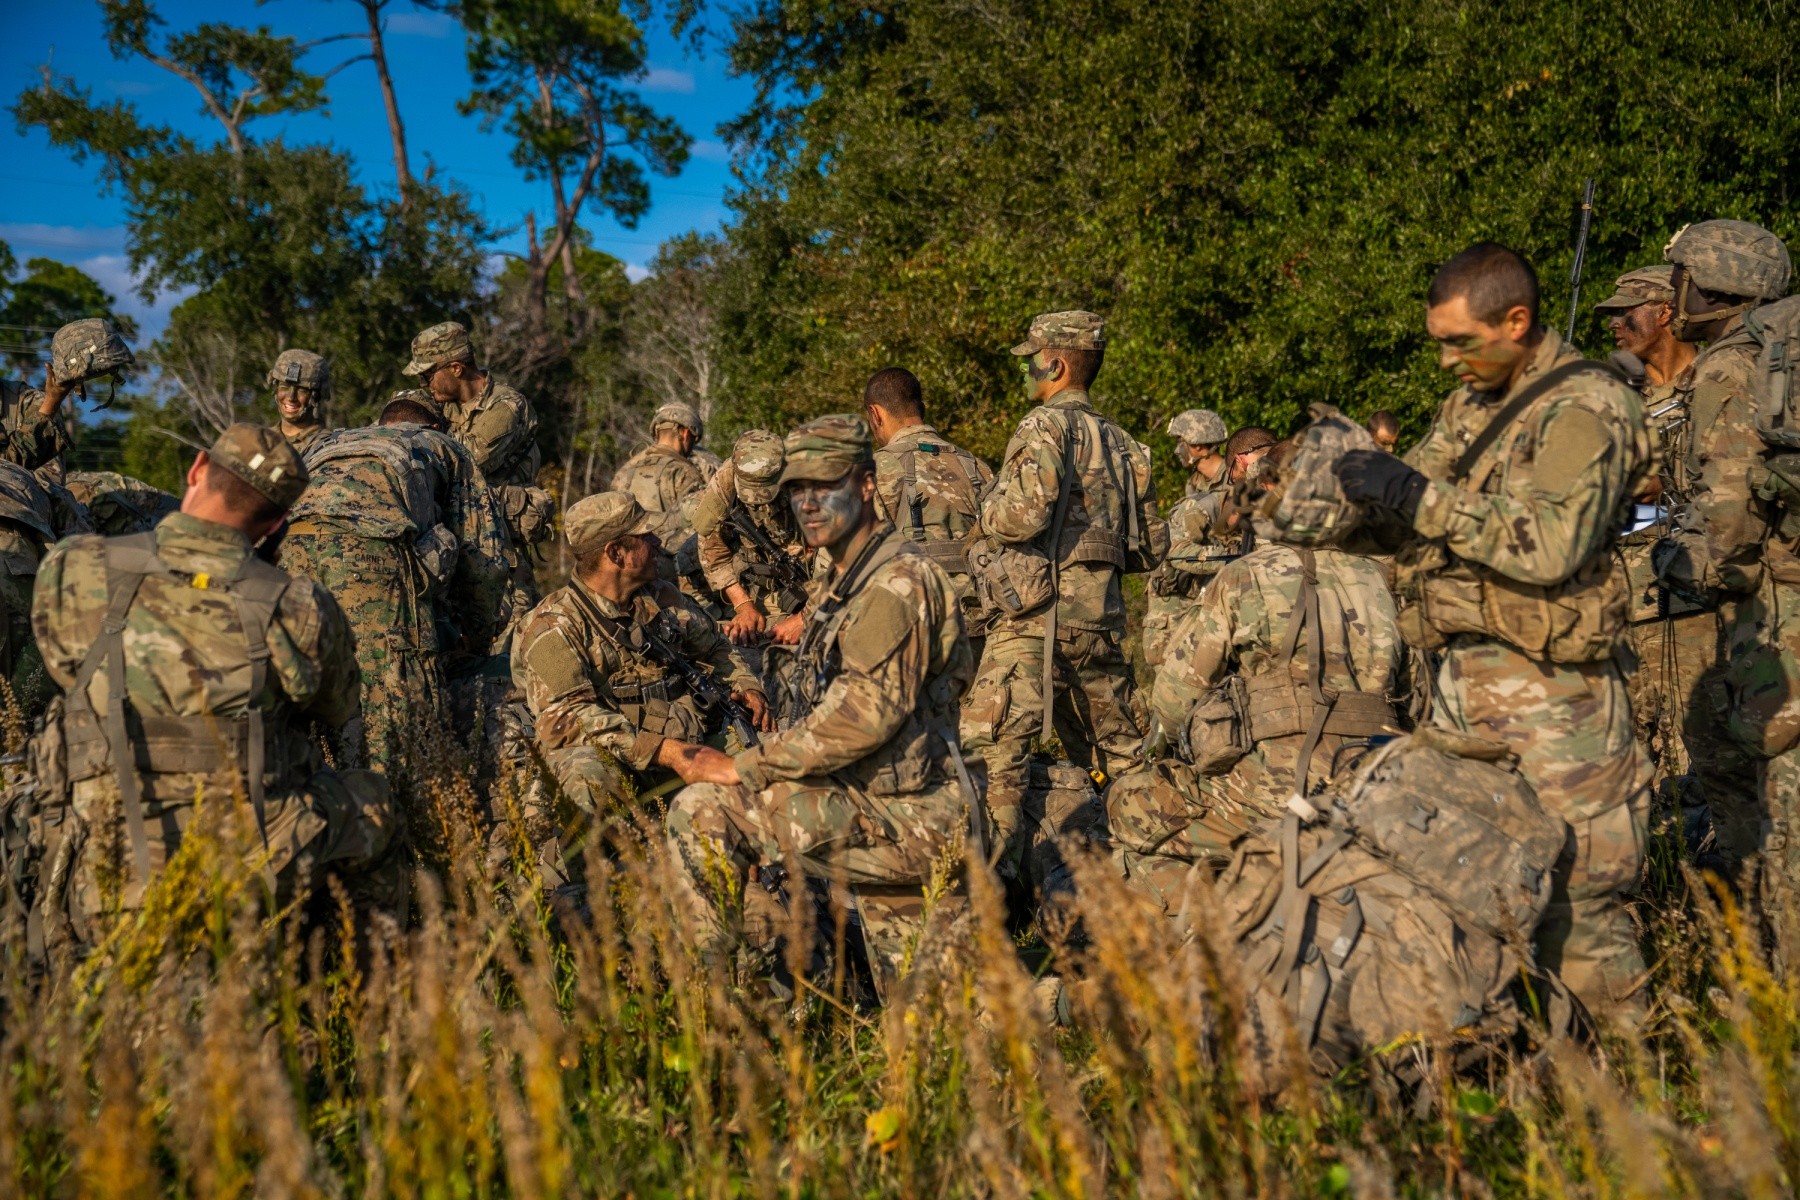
(663, 476)
(928, 488)
(1517, 491)
(1732, 548)
(118, 504)
(1300, 637)
(1195, 555)
(611, 716)
(749, 546)
(1384, 427)
(302, 383)
(497, 426)
(31, 521)
(32, 431)
(866, 787)
(191, 670)
(397, 526)
(1074, 508)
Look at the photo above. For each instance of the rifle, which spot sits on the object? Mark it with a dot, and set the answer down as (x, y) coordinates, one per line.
(788, 574)
(1587, 216)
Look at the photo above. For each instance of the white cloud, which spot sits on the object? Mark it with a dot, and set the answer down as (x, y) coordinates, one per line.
(30, 238)
(113, 272)
(708, 150)
(666, 79)
(636, 273)
(418, 24)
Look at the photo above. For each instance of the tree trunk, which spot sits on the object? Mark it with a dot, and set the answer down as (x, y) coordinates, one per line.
(397, 130)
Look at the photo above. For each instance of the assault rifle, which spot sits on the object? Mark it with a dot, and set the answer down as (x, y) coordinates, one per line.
(709, 694)
(1587, 216)
(786, 575)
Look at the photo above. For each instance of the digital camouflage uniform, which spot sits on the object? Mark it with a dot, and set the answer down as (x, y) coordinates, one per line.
(118, 504)
(226, 662)
(930, 491)
(666, 482)
(862, 788)
(1528, 577)
(397, 525)
(601, 707)
(302, 369)
(1112, 503)
(31, 521)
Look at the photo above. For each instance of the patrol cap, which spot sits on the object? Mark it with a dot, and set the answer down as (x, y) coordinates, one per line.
(605, 517)
(85, 349)
(1646, 285)
(1198, 427)
(1072, 330)
(301, 368)
(1734, 258)
(442, 343)
(826, 448)
(262, 458)
(677, 412)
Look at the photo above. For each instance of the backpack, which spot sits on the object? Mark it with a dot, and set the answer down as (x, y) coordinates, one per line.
(938, 515)
(1775, 327)
(1307, 505)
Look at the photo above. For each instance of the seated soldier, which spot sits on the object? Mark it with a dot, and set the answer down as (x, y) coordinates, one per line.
(609, 713)
(866, 786)
(194, 670)
(1292, 651)
(749, 546)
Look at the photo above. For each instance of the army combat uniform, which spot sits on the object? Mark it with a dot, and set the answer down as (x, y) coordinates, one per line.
(746, 491)
(118, 504)
(1520, 591)
(191, 670)
(398, 527)
(27, 436)
(664, 481)
(310, 373)
(930, 491)
(862, 787)
(1196, 554)
(31, 521)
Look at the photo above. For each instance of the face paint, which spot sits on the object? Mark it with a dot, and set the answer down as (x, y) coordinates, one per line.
(1635, 329)
(1482, 356)
(827, 512)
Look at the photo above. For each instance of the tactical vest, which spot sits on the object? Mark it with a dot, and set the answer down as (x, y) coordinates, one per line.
(640, 690)
(129, 745)
(383, 445)
(763, 574)
(938, 521)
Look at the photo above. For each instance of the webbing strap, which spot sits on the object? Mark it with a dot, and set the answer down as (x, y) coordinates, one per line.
(1292, 906)
(1056, 527)
(1515, 408)
(1306, 614)
(124, 589)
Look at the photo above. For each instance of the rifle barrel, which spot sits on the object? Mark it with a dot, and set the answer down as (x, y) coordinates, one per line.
(1587, 216)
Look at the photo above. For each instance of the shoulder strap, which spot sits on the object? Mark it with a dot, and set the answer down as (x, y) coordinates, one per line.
(1515, 408)
(1306, 616)
(256, 591)
(1057, 520)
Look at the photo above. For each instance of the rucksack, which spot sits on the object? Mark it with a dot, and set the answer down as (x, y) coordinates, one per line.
(1307, 505)
(1775, 327)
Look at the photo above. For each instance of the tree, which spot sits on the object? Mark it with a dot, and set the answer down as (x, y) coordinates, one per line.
(671, 326)
(46, 297)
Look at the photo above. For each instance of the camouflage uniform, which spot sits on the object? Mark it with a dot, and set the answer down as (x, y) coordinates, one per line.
(1111, 506)
(225, 660)
(862, 789)
(1522, 594)
(666, 482)
(31, 521)
(397, 526)
(1196, 553)
(602, 709)
(747, 488)
(930, 491)
(27, 436)
(119, 504)
(302, 369)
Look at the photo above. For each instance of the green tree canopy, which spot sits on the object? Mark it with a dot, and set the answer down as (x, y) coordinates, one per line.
(47, 296)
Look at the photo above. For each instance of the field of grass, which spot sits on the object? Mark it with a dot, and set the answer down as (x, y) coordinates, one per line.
(495, 1048)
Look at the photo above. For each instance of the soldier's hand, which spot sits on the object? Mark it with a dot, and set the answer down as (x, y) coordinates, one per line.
(1377, 477)
(745, 626)
(697, 764)
(54, 391)
(758, 705)
(787, 630)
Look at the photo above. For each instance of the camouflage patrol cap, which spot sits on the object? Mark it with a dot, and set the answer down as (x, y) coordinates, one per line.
(826, 448)
(1072, 330)
(678, 413)
(1734, 258)
(262, 458)
(605, 517)
(302, 368)
(1198, 427)
(87, 349)
(1646, 285)
(442, 343)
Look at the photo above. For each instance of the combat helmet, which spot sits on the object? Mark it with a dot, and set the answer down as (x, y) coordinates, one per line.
(302, 368)
(1732, 258)
(87, 349)
(1198, 427)
(1304, 504)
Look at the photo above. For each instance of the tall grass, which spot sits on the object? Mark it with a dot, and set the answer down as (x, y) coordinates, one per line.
(497, 1046)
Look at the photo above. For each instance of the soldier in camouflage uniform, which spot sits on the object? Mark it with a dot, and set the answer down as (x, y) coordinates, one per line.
(498, 428)
(1074, 502)
(1516, 493)
(31, 521)
(609, 718)
(1195, 556)
(1731, 545)
(663, 476)
(928, 488)
(32, 431)
(302, 383)
(864, 788)
(192, 669)
(118, 504)
(746, 490)
(398, 527)
(1295, 620)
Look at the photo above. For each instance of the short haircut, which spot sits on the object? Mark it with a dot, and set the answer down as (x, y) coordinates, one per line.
(587, 561)
(239, 496)
(1283, 451)
(1492, 278)
(410, 412)
(1084, 365)
(895, 390)
(1384, 420)
(1247, 440)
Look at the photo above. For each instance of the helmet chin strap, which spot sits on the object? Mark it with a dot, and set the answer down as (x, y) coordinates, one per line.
(1682, 320)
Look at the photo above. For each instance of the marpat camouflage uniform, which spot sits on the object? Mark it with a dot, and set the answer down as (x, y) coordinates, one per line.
(930, 491)
(1167, 816)
(1530, 531)
(397, 525)
(861, 788)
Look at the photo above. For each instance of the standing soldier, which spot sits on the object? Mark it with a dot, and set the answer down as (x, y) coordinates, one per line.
(866, 786)
(663, 476)
(1517, 492)
(32, 431)
(31, 521)
(397, 526)
(928, 488)
(1195, 556)
(593, 661)
(1735, 547)
(1073, 509)
(749, 547)
(194, 670)
(302, 383)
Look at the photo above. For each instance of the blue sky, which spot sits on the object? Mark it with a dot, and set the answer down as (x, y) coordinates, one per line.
(56, 209)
